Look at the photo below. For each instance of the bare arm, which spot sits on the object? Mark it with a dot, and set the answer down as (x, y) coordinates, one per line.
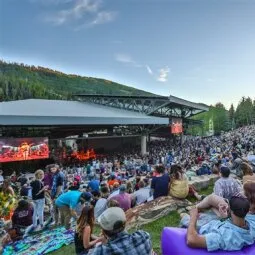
(11, 190)
(87, 244)
(195, 240)
(43, 189)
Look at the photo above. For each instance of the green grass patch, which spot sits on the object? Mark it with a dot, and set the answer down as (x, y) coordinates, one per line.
(206, 192)
(154, 228)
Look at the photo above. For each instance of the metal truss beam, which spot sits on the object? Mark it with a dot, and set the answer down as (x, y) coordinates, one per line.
(159, 106)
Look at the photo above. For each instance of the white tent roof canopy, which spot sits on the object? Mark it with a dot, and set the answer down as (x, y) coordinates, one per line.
(36, 112)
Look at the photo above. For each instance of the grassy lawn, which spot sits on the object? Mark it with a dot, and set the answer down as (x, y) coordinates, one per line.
(154, 228)
(205, 192)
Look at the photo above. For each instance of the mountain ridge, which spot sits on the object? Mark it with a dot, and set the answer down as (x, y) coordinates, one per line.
(21, 81)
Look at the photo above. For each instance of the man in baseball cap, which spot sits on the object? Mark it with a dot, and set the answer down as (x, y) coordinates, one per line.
(117, 240)
(67, 203)
(113, 220)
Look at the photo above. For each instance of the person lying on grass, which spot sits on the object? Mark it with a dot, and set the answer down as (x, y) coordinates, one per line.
(232, 234)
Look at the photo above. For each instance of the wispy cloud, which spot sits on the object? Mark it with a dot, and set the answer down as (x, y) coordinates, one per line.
(126, 59)
(75, 12)
(163, 74)
(83, 13)
(149, 70)
(104, 17)
(123, 58)
(50, 2)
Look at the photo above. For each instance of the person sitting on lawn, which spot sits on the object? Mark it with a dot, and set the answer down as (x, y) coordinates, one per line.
(247, 171)
(117, 240)
(179, 185)
(83, 239)
(22, 218)
(249, 192)
(4, 237)
(123, 198)
(160, 183)
(226, 186)
(142, 195)
(101, 204)
(230, 235)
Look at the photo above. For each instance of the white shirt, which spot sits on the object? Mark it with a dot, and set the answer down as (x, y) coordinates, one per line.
(100, 207)
(1, 179)
(142, 195)
(114, 193)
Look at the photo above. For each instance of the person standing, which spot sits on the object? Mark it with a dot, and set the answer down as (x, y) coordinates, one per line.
(58, 181)
(56, 189)
(1, 177)
(38, 198)
(67, 203)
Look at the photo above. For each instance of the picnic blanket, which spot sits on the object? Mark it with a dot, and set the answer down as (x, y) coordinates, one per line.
(43, 243)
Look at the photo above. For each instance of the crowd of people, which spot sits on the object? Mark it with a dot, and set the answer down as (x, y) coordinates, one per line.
(102, 190)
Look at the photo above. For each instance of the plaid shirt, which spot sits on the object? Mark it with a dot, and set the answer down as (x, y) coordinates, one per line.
(137, 243)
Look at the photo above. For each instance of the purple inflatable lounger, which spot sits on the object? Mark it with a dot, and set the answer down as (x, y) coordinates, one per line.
(173, 242)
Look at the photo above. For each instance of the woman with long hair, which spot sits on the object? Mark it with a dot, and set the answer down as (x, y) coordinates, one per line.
(83, 238)
(179, 185)
(249, 192)
(7, 188)
(248, 174)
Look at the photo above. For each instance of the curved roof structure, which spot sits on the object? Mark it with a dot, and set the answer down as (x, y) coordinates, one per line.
(40, 112)
(158, 106)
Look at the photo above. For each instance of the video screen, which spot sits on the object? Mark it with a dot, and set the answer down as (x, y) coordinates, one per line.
(19, 149)
(176, 126)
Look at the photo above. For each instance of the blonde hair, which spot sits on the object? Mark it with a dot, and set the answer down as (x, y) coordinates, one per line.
(38, 173)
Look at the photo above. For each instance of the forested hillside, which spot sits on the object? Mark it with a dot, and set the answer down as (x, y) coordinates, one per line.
(218, 118)
(19, 81)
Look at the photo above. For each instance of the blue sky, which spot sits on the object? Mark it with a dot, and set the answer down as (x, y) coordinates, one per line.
(199, 50)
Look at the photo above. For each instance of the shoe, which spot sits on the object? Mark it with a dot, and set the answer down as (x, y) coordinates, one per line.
(39, 228)
(48, 222)
(52, 224)
(32, 229)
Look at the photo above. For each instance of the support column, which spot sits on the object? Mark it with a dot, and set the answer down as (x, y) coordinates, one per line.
(143, 145)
